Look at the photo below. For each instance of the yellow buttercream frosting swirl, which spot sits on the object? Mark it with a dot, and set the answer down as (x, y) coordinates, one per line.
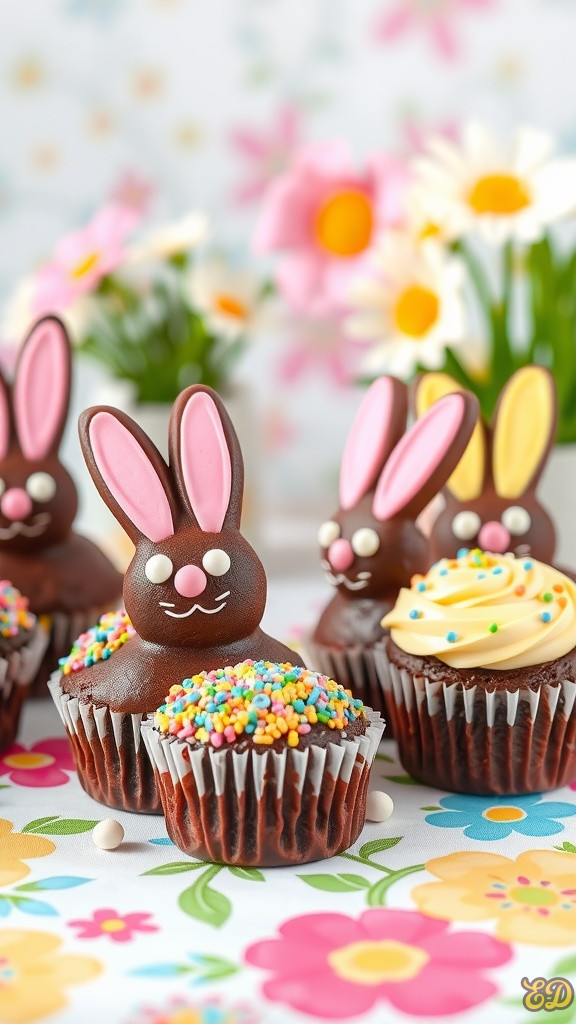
(482, 610)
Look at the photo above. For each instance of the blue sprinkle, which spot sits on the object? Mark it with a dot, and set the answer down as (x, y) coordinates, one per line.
(221, 697)
(208, 723)
(527, 565)
(258, 684)
(261, 700)
(414, 613)
(420, 587)
(546, 616)
(497, 570)
(314, 695)
(481, 576)
(451, 637)
(250, 727)
(211, 707)
(443, 572)
(106, 653)
(462, 552)
(298, 705)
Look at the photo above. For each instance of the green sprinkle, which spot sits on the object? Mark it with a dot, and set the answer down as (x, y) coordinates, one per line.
(493, 627)
(547, 597)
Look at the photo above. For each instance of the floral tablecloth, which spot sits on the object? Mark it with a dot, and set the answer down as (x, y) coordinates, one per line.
(439, 912)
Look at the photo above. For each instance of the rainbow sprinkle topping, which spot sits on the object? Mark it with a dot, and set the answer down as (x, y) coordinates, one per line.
(261, 699)
(99, 642)
(14, 614)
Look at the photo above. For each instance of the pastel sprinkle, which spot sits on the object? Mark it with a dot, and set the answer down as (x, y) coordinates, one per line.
(420, 587)
(414, 613)
(546, 616)
(547, 597)
(558, 588)
(481, 576)
(99, 642)
(14, 614)
(451, 637)
(497, 570)
(493, 627)
(520, 590)
(462, 552)
(527, 566)
(265, 700)
(443, 572)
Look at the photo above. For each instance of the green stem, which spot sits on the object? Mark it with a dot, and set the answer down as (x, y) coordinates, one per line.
(377, 894)
(366, 863)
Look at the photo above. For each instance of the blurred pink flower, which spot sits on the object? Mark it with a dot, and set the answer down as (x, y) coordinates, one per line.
(323, 215)
(266, 152)
(318, 343)
(436, 17)
(82, 258)
(43, 764)
(416, 133)
(133, 191)
(108, 922)
(336, 967)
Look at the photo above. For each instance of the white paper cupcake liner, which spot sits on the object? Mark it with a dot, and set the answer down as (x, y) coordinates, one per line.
(352, 667)
(17, 670)
(472, 740)
(264, 809)
(112, 764)
(63, 630)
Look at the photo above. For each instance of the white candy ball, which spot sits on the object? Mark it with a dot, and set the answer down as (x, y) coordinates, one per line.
(108, 834)
(379, 806)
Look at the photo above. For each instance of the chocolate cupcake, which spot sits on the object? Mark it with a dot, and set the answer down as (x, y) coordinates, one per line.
(195, 590)
(22, 644)
(372, 546)
(68, 580)
(480, 671)
(263, 764)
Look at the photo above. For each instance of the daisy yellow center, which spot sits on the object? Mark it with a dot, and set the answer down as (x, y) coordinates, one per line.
(533, 896)
(113, 925)
(499, 194)
(372, 963)
(504, 814)
(85, 266)
(416, 311)
(28, 760)
(344, 222)
(230, 305)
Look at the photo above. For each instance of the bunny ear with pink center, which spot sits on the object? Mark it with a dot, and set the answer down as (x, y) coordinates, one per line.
(129, 472)
(206, 458)
(41, 392)
(379, 424)
(424, 458)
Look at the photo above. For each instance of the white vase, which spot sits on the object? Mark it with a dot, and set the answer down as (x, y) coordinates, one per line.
(557, 489)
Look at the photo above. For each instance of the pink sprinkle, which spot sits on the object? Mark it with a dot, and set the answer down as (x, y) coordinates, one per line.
(216, 739)
(279, 709)
(523, 880)
(304, 728)
(229, 733)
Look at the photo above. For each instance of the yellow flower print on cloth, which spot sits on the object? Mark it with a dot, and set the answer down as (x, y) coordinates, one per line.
(34, 975)
(16, 846)
(532, 898)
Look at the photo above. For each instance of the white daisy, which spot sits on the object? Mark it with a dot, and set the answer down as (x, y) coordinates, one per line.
(501, 193)
(412, 306)
(227, 298)
(181, 236)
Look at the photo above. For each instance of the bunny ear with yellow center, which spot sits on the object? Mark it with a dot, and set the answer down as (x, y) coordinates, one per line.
(524, 428)
(468, 478)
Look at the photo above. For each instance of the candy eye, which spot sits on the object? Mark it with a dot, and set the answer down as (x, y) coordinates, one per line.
(516, 519)
(365, 542)
(158, 568)
(216, 562)
(41, 486)
(466, 525)
(328, 533)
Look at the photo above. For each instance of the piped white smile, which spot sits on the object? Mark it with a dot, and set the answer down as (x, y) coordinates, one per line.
(362, 580)
(195, 608)
(37, 527)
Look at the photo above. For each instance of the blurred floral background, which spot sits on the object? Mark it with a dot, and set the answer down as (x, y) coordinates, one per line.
(168, 157)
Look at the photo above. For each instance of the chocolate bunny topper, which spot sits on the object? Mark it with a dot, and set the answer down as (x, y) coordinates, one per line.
(372, 546)
(195, 589)
(56, 568)
(491, 499)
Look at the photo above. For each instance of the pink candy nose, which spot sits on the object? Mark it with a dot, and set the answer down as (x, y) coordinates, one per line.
(15, 504)
(494, 537)
(340, 555)
(190, 581)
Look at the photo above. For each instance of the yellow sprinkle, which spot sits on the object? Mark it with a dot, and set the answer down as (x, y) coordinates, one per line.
(293, 738)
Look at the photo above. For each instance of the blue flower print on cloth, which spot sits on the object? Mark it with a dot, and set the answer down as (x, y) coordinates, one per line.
(495, 817)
